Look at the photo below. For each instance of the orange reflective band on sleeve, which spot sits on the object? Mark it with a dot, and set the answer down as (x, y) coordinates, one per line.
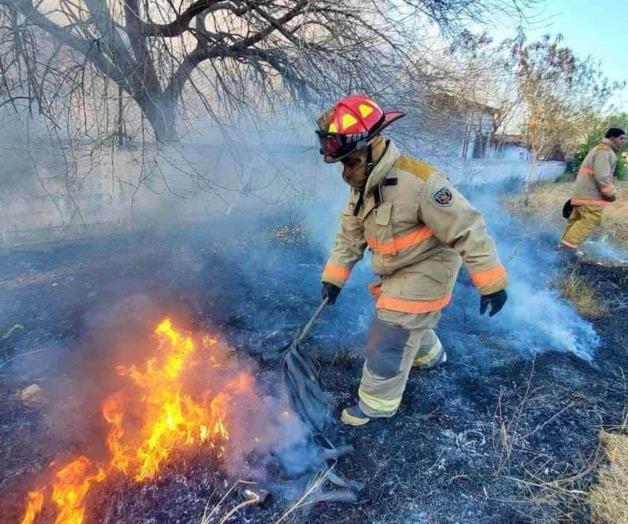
(588, 202)
(411, 306)
(488, 277)
(586, 171)
(608, 189)
(336, 271)
(404, 241)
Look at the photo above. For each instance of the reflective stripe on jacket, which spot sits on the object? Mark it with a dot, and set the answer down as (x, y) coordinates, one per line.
(419, 229)
(594, 183)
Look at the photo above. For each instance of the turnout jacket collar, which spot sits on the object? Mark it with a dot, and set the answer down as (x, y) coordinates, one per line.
(382, 168)
(607, 142)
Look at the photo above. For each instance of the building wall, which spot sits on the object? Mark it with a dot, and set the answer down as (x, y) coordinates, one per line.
(510, 152)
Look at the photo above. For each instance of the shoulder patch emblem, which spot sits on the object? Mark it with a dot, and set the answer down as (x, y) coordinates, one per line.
(443, 197)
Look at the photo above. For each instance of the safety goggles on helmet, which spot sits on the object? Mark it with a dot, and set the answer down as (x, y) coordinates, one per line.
(351, 125)
(335, 147)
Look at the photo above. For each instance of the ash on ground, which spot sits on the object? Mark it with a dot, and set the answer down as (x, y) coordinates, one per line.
(491, 436)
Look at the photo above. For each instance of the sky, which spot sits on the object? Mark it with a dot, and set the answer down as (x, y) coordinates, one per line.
(596, 28)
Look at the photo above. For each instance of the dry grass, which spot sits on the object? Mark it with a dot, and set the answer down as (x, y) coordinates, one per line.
(541, 497)
(582, 294)
(609, 497)
(545, 201)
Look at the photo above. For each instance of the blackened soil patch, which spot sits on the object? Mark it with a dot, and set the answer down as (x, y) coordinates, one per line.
(498, 439)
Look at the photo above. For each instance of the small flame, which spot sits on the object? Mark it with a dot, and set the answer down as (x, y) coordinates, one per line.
(34, 503)
(70, 489)
(146, 427)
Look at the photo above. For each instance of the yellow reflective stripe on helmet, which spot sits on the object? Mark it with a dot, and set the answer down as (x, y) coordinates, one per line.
(365, 110)
(332, 128)
(348, 120)
(378, 404)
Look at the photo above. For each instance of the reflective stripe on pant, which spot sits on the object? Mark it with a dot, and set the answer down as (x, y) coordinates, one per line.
(582, 222)
(390, 352)
(430, 350)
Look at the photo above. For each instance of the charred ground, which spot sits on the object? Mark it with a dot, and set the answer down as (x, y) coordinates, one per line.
(492, 437)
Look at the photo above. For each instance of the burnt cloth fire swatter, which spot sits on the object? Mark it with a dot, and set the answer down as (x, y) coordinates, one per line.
(303, 378)
(308, 400)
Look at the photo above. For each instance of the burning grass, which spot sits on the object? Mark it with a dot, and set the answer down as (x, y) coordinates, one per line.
(151, 419)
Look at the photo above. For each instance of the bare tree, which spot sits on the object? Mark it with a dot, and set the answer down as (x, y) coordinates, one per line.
(231, 53)
(561, 94)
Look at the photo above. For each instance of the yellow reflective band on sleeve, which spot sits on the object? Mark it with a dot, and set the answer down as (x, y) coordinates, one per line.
(378, 404)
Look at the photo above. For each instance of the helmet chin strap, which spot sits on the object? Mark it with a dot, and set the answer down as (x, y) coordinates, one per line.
(369, 159)
(368, 168)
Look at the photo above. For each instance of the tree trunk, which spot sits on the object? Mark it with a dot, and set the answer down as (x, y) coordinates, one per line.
(161, 115)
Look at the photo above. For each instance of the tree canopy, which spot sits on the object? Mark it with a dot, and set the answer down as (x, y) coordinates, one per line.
(225, 54)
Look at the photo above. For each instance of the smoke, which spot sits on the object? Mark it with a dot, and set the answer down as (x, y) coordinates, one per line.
(244, 263)
(536, 318)
(261, 425)
(599, 248)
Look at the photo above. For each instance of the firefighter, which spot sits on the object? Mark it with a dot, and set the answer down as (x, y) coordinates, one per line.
(420, 230)
(593, 190)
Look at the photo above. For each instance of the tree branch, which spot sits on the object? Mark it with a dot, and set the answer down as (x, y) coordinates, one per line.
(145, 66)
(181, 24)
(89, 49)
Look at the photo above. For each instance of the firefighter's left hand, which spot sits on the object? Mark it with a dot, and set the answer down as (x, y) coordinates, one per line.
(496, 300)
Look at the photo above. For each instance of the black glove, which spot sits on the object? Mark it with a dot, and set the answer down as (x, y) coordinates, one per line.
(330, 292)
(496, 300)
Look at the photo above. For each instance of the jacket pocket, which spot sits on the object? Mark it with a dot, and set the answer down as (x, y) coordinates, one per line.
(379, 230)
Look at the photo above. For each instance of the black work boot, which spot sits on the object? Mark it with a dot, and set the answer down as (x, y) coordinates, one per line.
(354, 416)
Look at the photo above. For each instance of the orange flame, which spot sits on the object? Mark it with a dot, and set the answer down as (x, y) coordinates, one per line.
(70, 489)
(34, 503)
(171, 419)
(146, 428)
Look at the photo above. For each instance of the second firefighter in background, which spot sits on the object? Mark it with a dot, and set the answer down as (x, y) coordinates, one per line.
(420, 230)
(593, 191)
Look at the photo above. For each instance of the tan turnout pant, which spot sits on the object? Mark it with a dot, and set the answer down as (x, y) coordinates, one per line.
(582, 222)
(396, 342)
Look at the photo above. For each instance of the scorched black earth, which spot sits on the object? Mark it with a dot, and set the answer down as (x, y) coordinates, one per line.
(491, 436)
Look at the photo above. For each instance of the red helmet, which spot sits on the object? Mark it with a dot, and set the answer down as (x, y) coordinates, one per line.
(351, 125)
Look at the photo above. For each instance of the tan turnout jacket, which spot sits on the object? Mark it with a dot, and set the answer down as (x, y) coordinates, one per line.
(594, 183)
(419, 229)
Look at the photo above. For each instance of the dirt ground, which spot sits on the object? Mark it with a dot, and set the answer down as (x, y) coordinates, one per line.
(545, 202)
(498, 439)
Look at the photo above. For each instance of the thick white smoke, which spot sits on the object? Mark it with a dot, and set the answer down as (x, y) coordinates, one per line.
(536, 318)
